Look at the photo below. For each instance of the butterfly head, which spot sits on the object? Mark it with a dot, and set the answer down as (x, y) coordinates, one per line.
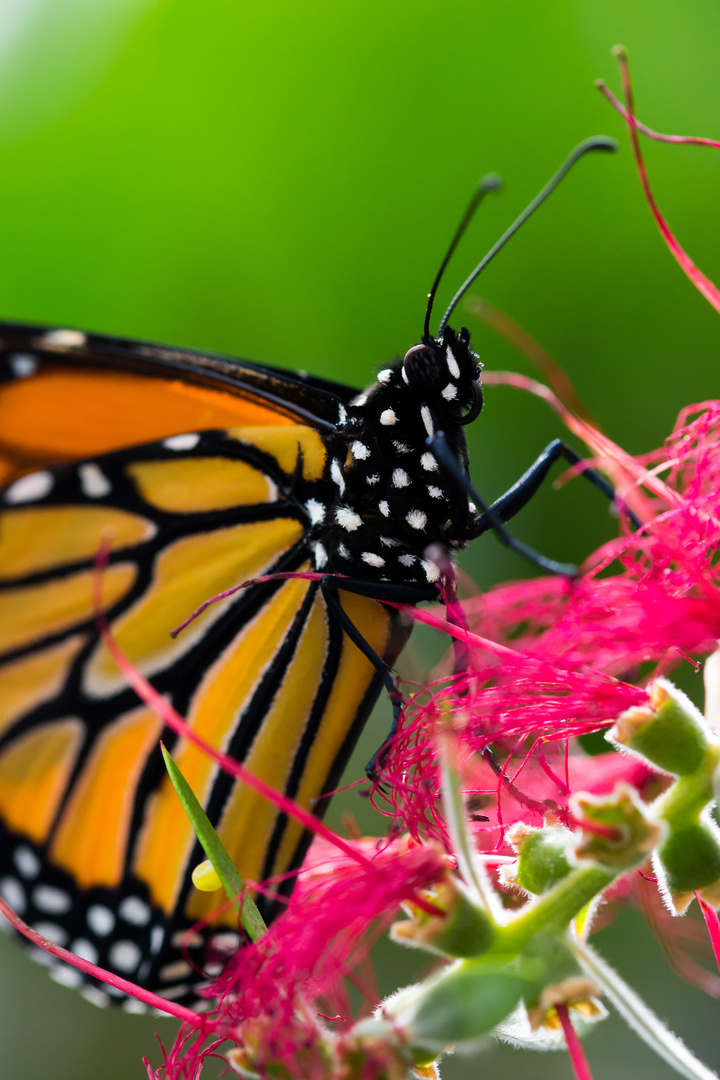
(445, 372)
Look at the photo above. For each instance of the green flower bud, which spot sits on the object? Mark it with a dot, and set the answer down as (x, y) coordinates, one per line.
(542, 856)
(669, 732)
(690, 858)
(463, 931)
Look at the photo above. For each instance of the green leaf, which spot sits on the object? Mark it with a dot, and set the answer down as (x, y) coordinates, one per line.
(250, 918)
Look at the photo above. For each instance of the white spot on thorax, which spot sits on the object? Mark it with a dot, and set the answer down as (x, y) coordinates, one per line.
(450, 392)
(435, 492)
(405, 375)
(347, 518)
(401, 447)
(360, 451)
(384, 376)
(416, 519)
(321, 556)
(337, 475)
(93, 481)
(315, 511)
(429, 462)
(342, 414)
(360, 400)
(51, 900)
(26, 862)
(452, 363)
(427, 420)
(374, 479)
(65, 339)
(432, 571)
(389, 541)
(343, 551)
(372, 559)
(188, 441)
(400, 478)
(406, 560)
(124, 956)
(134, 910)
(388, 418)
(30, 488)
(23, 365)
(384, 508)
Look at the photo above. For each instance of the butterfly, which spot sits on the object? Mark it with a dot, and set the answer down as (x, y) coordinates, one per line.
(202, 472)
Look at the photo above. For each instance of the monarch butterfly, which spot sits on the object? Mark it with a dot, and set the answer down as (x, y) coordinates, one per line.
(207, 472)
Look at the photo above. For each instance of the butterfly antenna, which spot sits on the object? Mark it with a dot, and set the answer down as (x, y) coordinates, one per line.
(491, 182)
(597, 142)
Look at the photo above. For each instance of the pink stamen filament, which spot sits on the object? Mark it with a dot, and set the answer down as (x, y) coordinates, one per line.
(575, 1051)
(713, 925)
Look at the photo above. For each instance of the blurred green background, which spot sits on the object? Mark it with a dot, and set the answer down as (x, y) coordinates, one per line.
(279, 182)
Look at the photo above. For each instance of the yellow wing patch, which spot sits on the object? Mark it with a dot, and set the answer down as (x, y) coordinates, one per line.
(187, 573)
(224, 693)
(199, 484)
(32, 612)
(91, 837)
(36, 538)
(34, 772)
(285, 445)
(28, 682)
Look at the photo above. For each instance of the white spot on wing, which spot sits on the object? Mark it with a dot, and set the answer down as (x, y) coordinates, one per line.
(65, 339)
(452, 363)
(360, 400)
(30, 488)
(429, 462)
(342, 414)
(315, 511)
(134, 910)
(50, 930)
(427, 420)
(384, 376)
(347, 518)
(400, 478)
(85, 950)
(372, 559)
(96, 996)
(67, 976)
(93, 481)
(132, 1005)
(22, 365)
(416, 519)
(384, 508)
(188, 441)
(51, 900)
(26, 862)
(388, 418)
(13, 894)
(100, 919)
(178, 969)
(124, 956)
(157, 936)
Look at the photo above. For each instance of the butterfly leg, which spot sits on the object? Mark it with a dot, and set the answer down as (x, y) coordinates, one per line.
(376, 591)
(494, 515)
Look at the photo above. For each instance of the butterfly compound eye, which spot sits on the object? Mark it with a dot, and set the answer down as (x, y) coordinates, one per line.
(423, 368)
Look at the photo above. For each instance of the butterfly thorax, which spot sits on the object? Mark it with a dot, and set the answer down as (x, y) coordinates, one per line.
(393, 499)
